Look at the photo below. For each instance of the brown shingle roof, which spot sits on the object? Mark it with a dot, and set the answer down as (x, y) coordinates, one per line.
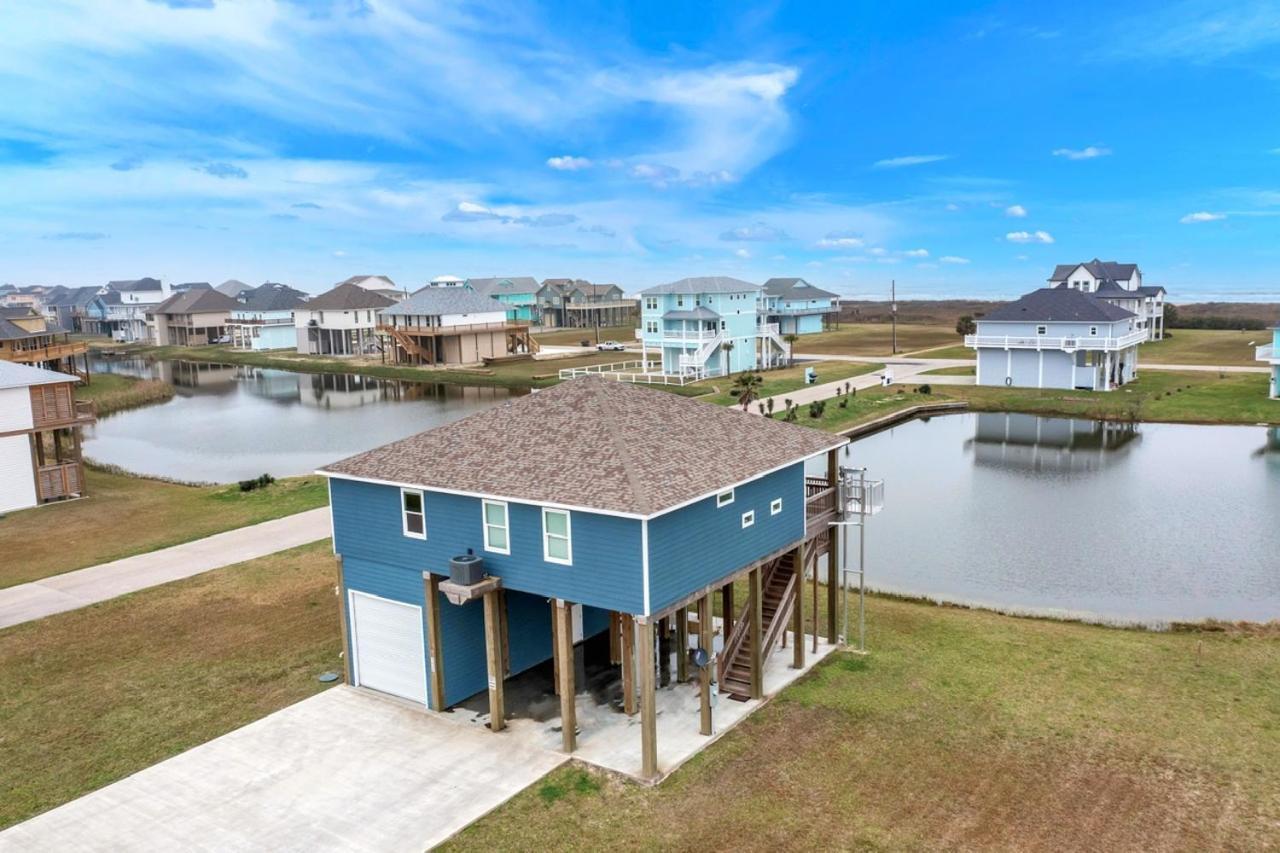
(593, 443)
(195, 301)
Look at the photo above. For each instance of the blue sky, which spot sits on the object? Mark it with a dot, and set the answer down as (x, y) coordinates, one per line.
(961, 149)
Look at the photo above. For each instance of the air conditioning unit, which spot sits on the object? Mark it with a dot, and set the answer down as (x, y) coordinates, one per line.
(466, 570)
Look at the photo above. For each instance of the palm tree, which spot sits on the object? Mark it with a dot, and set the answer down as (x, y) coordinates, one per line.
(727, 349)
(747, 387)
(791, 346)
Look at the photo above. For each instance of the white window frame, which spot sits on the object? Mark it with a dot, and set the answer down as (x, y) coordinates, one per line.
(1093, 331)
(775, 506)
(651, 303)
(568, 537)
(748, 518)
(1042, 330)
(506, 525)
(404, 513)
(721, 502)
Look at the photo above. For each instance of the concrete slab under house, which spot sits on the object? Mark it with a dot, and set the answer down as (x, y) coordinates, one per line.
(474, 565)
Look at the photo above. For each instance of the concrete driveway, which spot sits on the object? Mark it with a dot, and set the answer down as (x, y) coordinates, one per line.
(343, 770)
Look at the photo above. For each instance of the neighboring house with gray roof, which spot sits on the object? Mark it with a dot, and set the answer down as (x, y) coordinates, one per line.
(518, 292)
(1057, 338)
(264, 318)
(126, 319)
(194, 317)
(78, 309)
(379, 284)
(451, 326)
(577, 303)
(1119, 284)
(625, 507)
(708, 326)
(798, 307)
(233, 287)
(342, 321)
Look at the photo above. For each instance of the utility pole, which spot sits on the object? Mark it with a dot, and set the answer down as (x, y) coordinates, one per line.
(893, 310)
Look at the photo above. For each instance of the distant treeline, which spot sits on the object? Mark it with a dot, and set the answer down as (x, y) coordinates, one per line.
(1243, 316)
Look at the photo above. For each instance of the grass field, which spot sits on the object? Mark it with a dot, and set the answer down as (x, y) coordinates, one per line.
(784, 379)
(96, 694)
(125, 515)
(572, 337)
(874, 339)
(111, 392)
(962, 730)
(1203, 346)
(967, 370)
(957, 351)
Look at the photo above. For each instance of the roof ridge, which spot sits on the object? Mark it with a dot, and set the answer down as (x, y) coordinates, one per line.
(638, 492)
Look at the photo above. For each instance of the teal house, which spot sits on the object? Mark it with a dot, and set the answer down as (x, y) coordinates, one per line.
(798, 307)
(708, 326)
(469, 555)
(1270, 353)
(519, 293)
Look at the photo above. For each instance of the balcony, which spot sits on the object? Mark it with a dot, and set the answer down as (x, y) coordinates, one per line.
(1044, 342)
(52, 352)
(690, 335)
(1267, 353)
(460, 329)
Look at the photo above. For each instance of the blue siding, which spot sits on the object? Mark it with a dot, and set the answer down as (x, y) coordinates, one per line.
(701, 543)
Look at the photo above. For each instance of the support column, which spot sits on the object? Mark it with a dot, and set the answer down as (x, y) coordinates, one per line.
(628, 664)
(615, 636)
(648, 705)
(726, 609)
(682, 645)
(706, 643)
(756, 615)
(833, 555)
(493, 656)
(555, 647)
(797, 610)
(342, 617)
(564, 650)
(435, 651)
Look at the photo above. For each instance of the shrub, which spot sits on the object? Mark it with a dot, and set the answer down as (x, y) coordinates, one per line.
(256, 483)
(926, 389)
(816, 408)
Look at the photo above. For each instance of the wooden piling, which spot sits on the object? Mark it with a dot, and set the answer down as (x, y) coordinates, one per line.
(435, 649)
(493, 656)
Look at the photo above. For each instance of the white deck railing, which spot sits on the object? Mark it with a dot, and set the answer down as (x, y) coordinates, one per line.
(691, 335)
(1267, 352)
(1044, 342)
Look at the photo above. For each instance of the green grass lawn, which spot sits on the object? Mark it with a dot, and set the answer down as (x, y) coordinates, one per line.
(962, 730)
(957, 351)
(112, 392)
(125, 515)
(782, 380)
(1204, 346)
(96, 694)
(874, 339)
(967, 370)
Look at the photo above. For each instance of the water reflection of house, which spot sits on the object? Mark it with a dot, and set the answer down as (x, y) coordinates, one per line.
(279, 385)
(195, 374)
(1036, 443)
(341, 390)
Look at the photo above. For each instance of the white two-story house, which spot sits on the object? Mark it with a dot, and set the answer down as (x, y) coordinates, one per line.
(1057, 338)
(126, 318)
(1119, 284)
(708, 326)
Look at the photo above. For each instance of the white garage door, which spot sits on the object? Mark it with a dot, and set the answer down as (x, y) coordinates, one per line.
(388, 640)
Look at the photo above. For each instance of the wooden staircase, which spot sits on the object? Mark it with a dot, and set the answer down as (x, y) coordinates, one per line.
(777, 586)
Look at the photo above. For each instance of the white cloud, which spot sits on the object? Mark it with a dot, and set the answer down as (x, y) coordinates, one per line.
(1082, 153)
(953, 259)
(841, 240)
(568, 163)
(757, 232)
(1017, 211)
(742, 253)
(1201, 216)
(338, 253)
(877, 251)
(953, 207)
(1029, 237)
(916, 253)
(909, 160)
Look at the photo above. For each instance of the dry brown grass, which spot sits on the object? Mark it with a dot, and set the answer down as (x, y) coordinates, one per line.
(93, 695)
(875, 339)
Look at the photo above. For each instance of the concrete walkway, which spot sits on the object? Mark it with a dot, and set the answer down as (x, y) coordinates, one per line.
(344, 770)
(83, 587)
(904, 370)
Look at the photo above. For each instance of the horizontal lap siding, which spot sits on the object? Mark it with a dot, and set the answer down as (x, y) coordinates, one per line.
(701, 543)
(606, 570)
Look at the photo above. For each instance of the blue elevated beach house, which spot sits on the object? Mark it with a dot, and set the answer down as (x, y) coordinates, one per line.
(709, 326)
(1270, 353)
(797, 307)
(476, 551)
(1058, 338)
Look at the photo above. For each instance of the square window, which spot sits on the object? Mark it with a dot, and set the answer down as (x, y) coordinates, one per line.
(775, 507)
(724, 498)
(1093, 331)
(413, 517)
(748, 518)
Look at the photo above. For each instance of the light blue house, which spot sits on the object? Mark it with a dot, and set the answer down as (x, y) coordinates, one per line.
(264, 319)
(519, 293)
(1270, 353)
(708, 326)
(797, 307)
(1057, 338)
(627, 529)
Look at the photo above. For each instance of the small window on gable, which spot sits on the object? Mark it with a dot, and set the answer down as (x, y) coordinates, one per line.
(496, 529)
(775, 506)
(1093, 331)
(724, 498)
(748, 518)
(1042, 330)
(413, 516)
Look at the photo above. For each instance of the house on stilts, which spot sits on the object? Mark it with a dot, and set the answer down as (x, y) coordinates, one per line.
(469, 553)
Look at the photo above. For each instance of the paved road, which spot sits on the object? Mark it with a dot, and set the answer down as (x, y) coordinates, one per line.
(343, 770)
(904, 370)
(83, 587)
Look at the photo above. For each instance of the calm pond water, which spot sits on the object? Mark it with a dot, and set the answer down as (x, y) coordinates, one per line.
(231, 422)
(1136, 524)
